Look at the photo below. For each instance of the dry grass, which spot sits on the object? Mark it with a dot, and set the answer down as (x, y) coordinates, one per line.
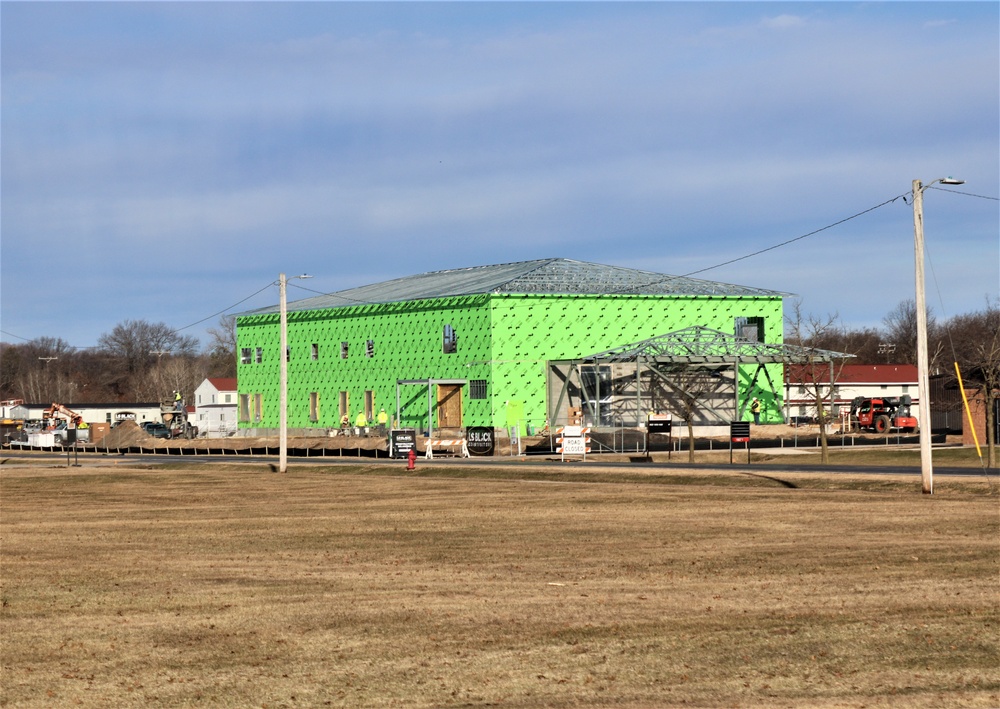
(352, 588)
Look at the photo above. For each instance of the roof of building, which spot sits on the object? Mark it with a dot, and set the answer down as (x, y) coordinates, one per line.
(552, 276)
(223, 383)
(864, 374)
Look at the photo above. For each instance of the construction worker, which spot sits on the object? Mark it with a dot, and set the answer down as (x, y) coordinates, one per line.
(361, 421)
(755, 410)
(345, 420)
(178, 401)
(382, 420)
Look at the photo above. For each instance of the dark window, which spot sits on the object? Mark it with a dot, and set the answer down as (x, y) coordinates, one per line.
(343, 350)
(260, 355)
(477, 389)
(450, 340)
(315, 351)
(245, 355)
(370, 348)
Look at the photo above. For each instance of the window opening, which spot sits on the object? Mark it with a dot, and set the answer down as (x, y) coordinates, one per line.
(245, 355)
(750, 329)
(314, 406)
(370, 348)
(259, 355)
(315, 351)
(244, 407)
(477, 389)
(343, 350)
(597, 391)
(449, 340)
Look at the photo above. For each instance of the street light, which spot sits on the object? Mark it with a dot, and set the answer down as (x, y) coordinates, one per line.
(923, 378)
(283, 376)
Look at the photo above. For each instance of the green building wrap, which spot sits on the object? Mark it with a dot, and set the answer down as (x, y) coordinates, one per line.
(351, 357)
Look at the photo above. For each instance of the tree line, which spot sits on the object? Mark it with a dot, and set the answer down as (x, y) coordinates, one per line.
(137, 361)
(970, 340)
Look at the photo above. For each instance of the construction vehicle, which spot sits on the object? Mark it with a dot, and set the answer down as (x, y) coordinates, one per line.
(175, 417)
(67, 425)
(881, 414)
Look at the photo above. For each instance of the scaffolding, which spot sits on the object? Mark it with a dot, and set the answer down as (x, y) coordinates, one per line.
(696, 370)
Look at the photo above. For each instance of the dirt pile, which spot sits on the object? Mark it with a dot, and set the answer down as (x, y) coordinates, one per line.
(126, 434)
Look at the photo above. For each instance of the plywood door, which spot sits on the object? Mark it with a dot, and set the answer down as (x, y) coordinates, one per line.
(449, 405)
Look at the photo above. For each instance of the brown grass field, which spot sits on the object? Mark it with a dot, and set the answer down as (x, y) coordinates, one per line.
(362, 586)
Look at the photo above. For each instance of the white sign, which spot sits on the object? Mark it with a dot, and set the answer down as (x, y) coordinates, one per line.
(576, 445)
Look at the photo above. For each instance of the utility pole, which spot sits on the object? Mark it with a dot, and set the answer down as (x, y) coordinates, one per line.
(283, 376)
(923, 365)
(283, 373)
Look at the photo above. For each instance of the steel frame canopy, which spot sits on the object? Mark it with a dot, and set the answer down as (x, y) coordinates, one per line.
(695, 347)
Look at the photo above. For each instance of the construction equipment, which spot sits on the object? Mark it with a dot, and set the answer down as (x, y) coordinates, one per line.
(882, 414)
(67, 425)
(175, 417)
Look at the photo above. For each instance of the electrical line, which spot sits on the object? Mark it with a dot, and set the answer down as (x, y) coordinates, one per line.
(173, 331)
(967, 194)
(225, 309)
(667, 279)
(776, 246)
(622, 290)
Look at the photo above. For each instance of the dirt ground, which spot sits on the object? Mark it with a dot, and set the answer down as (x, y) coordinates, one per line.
(129, 434)
(356, 586)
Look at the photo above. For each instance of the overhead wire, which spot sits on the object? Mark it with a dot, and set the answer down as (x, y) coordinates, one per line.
(625, 289)
(951, 340)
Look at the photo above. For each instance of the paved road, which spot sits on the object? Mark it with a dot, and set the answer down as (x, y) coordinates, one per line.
(13, 457)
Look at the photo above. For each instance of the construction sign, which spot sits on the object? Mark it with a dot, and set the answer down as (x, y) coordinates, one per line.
(573, 440)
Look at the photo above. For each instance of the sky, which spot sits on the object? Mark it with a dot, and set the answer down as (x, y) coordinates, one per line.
(166, 161)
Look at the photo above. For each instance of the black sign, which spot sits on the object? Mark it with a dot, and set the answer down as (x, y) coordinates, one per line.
(739, 431)
(402, 441)
(480, 440)
(658, 425)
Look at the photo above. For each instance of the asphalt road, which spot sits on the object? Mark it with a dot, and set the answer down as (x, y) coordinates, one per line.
(13, 457)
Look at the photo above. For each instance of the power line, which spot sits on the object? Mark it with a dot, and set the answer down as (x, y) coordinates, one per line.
(173, 331)
(199, 322)
(966, 194)
(785, 243)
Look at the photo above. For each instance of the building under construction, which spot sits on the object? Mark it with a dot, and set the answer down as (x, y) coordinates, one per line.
(517, 344)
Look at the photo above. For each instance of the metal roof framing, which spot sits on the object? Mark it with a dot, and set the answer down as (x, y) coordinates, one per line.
(553, 276)
(702, 345)
(667, 358)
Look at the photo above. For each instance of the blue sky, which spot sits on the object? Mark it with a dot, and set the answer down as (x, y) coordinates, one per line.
(164, 161)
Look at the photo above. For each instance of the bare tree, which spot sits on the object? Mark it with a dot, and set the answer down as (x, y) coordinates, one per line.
(134, 346)
(40, 371)
(976, 340)
(818, 378)
(690, 386)
(901, 331)
(222, 347)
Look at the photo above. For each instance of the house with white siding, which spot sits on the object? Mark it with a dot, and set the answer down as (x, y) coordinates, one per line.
(215, 407)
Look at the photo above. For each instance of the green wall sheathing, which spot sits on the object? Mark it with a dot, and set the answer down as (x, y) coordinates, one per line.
(407, 341)
(505, 340)
(530, 330)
